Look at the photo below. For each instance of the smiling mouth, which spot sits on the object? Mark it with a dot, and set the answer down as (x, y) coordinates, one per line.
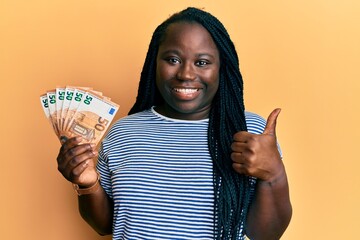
(186, 90)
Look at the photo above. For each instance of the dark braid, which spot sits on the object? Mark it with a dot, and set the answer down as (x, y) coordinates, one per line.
(226, 117)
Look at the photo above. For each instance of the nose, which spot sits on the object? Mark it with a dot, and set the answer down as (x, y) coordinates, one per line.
(186, 72)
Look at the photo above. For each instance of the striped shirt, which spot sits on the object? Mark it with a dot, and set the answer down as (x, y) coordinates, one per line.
(158, 171)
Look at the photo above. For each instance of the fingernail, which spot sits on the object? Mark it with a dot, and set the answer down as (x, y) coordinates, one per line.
(78, 138)
(86, 163)
(63, 139)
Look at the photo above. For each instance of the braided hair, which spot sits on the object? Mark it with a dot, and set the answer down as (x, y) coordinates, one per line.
(226, 117)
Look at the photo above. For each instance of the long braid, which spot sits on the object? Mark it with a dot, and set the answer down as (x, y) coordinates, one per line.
(226, 117)
(148, 94)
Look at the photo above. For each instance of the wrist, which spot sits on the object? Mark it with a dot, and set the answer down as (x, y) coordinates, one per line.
(275, 180)
(81, 190)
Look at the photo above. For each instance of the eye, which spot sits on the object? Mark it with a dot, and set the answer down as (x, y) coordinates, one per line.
(173, 60)
(201, 63)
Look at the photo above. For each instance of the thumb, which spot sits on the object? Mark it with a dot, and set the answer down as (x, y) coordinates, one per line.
(63, 139)
(270, 127)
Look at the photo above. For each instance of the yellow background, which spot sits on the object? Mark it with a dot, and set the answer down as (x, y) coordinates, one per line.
(302, 56)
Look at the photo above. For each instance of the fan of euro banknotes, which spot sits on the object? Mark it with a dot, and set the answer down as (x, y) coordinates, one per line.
(78, 111)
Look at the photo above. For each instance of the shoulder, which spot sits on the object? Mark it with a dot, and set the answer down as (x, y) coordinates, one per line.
(129, 123)
(254, 122)
(145, 115)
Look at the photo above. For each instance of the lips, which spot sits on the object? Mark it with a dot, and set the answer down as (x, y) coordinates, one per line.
(186, 90)
(185, 93)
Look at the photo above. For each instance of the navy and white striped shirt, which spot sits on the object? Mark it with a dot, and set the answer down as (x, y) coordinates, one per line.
(158, 171)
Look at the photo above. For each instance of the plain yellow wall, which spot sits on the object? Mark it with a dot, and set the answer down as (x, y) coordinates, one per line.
(302, 56)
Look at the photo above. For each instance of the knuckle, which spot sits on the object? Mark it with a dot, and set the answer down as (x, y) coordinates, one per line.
(236, 136)
(89, 146)
(253, 139)
(92, 155)
(252, 151)
(73, 174)
(71, 152)
(251, 158)
(253, 145)
(75, 161)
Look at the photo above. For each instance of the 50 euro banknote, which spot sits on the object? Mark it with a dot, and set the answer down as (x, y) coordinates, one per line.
(79, 112)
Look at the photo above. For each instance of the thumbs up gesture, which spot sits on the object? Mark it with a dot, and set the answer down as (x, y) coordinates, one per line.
(257, 155)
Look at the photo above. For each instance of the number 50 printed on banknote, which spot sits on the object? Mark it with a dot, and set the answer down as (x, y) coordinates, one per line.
(78, 111)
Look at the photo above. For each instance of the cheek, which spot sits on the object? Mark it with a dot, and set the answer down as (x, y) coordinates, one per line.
(162, 79)
(213, 80)
(162, 72)
(159, 75)
(215, 88)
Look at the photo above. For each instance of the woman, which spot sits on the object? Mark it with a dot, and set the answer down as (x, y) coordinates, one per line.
(188, 162)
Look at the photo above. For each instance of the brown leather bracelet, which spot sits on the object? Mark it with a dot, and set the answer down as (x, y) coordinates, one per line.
(89, 190)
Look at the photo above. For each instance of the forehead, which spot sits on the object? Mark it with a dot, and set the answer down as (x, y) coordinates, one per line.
(187, 34)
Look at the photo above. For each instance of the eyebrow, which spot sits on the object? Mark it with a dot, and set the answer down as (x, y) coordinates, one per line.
(174, 51)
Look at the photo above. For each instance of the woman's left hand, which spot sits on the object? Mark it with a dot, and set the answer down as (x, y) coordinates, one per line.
(257, 155)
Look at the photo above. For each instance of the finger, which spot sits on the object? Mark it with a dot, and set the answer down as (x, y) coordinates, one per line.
(63, 139)
(79, 169)
(69, 143)
(73, 167)
(85, 174)
(239, 146)
(240, 168)
(67, 155)
(270, 127)
(241, 136)
(237, 157)
(81, 158)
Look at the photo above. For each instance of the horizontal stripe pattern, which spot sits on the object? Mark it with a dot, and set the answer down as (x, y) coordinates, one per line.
(158, 171)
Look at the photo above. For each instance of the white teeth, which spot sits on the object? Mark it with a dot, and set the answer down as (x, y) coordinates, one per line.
(185, 90)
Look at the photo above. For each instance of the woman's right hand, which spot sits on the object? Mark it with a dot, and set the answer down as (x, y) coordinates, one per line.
(76, 162)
